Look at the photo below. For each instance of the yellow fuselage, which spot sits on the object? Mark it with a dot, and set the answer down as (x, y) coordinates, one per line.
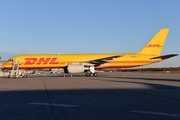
(38, 61)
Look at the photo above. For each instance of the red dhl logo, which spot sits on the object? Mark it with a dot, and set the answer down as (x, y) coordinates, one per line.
(44, 61)
(153, 45)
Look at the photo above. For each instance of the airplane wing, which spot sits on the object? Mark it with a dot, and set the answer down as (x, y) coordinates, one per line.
(164, 56)
(98, 62)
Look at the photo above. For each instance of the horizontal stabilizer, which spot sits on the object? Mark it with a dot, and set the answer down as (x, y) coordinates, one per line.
(165, 56)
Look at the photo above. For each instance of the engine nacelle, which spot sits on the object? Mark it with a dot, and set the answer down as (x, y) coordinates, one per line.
(74, 68)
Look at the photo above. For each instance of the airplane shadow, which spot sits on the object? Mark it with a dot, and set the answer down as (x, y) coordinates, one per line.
(89, 104)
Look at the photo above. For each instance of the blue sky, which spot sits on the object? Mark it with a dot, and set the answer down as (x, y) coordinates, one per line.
(87, 26)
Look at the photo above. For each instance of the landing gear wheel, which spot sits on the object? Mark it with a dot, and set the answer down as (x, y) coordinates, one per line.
(95, 74)
(91, 74)
(87, 74)
(25, 76)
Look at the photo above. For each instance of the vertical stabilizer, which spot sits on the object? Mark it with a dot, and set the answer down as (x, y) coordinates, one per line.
(155, 45)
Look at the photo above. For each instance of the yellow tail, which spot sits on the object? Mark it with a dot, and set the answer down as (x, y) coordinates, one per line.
(155, 45)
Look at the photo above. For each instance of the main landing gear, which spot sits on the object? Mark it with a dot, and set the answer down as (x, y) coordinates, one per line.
(91, 74)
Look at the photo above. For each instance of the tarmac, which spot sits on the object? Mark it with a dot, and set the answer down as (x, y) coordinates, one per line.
(110, 96)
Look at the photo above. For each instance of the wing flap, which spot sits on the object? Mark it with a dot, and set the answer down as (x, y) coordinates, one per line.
(98, 62)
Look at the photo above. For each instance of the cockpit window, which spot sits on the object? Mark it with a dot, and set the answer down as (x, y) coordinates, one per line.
(10, 60)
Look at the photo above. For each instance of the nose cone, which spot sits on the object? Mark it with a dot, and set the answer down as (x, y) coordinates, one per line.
(7, 65)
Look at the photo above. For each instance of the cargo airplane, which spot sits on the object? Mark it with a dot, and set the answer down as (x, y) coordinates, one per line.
(88, 63)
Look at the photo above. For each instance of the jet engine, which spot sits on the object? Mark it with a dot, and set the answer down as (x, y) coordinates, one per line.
(74, 68)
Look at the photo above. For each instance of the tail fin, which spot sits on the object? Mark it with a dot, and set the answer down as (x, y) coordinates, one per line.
(155, 45)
